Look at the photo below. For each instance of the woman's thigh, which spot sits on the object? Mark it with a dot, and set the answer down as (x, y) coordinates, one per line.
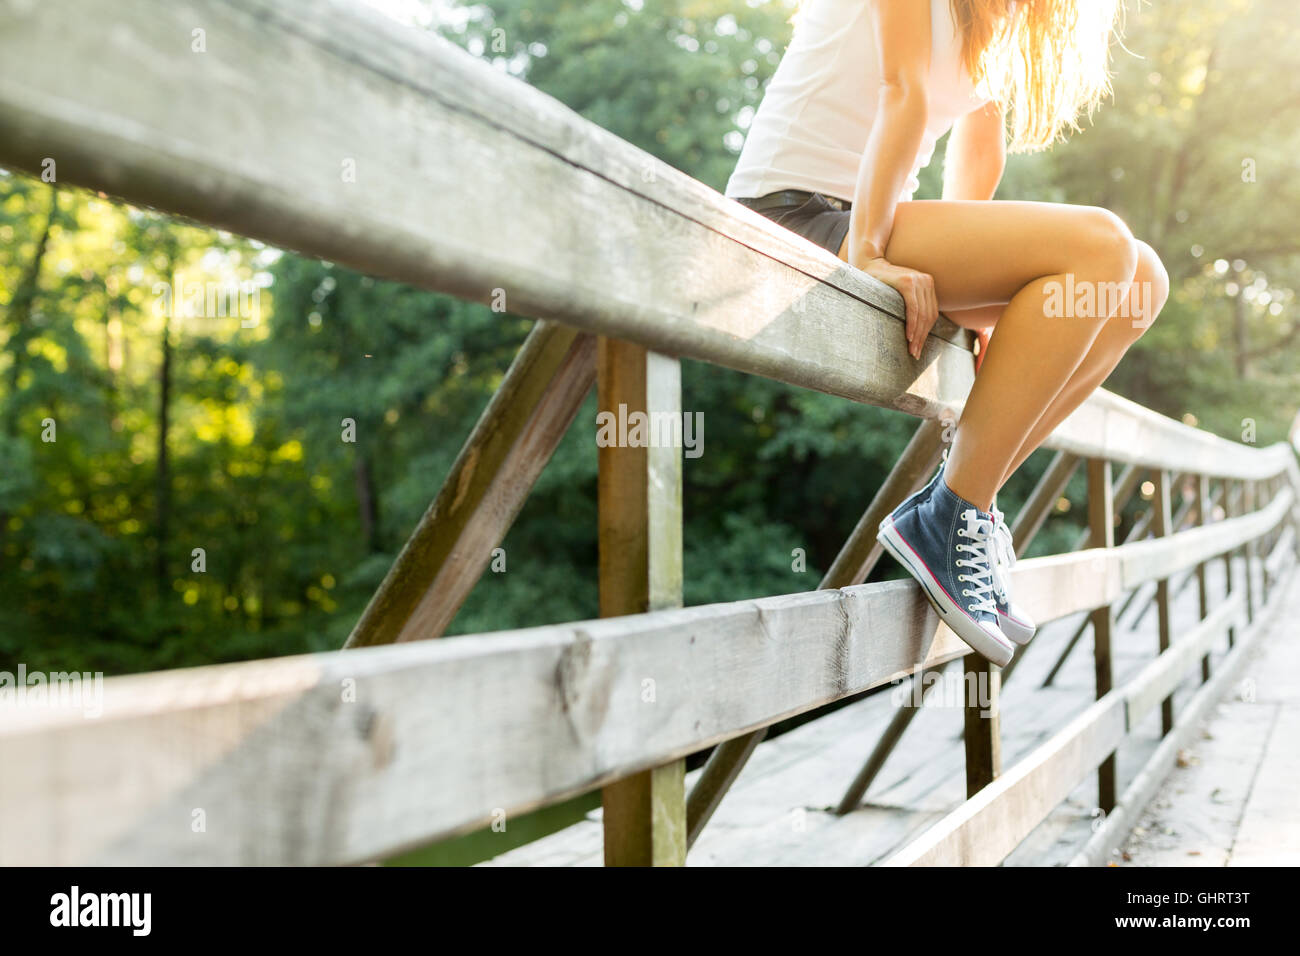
(982, 253)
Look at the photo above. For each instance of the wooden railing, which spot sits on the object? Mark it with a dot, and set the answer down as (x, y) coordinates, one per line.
(467, 181)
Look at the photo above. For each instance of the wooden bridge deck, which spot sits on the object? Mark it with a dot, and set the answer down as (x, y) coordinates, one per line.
(1234, 800)
(780, 811)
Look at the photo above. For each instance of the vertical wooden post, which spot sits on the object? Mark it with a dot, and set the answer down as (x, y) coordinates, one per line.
(1260, 498)
(1248, 551)
(1229, 510)
(1101, 527)
(639, 491)
(1202, 586)
(1162, 525)
(983, 723)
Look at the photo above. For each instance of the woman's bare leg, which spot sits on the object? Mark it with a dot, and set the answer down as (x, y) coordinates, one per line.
(1037, 245)
(1146, 298)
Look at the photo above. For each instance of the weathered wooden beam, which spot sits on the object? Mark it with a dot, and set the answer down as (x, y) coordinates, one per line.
(481, 146)
(1163, 557)
(639, 497)
(1248, 553)
(981, 723)
(1232, 494)
(430, 172)
(488, 484)
(1162, 526)
(1204, 504)
(337, 758)
(1101, 527)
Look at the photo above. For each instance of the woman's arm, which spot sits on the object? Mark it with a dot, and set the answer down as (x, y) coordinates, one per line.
(976, 156)
(902, 29)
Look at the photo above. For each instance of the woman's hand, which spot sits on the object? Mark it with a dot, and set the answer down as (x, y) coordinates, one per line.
(919, 299)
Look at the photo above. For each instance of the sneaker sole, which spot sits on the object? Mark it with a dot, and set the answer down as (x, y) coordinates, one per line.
(958, 621)
(1017, 632)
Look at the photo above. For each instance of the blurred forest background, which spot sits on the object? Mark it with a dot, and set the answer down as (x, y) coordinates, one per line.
(173, 434)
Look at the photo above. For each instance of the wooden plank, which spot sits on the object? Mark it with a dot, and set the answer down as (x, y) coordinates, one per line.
(1281, 550)
(484, 147)
(983, 733)
(745, 293)
(1270, 828)
(331, 758)
(1162, 526)
(1203, 506)
(1101, 529)
(1158, 558)
(987, 827)
(639, 493)
(1158, 680)
(1114, 428)
(1231, 495)
(488, 484)
(1119, 822)
(1248, 551)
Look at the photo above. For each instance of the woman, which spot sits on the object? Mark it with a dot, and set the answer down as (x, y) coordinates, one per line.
(861, 96)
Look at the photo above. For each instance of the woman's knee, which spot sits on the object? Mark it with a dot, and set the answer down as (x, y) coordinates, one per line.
(1152, 277)
(1106, 249)
(1148, 294)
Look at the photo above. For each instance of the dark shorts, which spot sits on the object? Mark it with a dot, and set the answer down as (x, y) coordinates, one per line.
(820, 219)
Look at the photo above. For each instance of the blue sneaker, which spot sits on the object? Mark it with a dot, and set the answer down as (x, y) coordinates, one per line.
(946, 543)
(1012, 619)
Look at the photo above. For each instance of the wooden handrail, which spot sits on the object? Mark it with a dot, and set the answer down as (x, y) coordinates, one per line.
(429, 172)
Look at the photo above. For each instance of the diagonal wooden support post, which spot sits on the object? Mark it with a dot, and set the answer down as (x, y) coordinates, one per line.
(854, 562)
(488, 484)
(1026, 525)
(640, 505)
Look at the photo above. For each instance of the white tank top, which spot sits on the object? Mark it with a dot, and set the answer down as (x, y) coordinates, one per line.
(811, 128)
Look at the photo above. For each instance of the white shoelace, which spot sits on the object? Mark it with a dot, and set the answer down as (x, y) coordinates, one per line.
(1004, 556)
(981, 533)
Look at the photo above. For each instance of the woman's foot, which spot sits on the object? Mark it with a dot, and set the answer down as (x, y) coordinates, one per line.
(947, 544)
